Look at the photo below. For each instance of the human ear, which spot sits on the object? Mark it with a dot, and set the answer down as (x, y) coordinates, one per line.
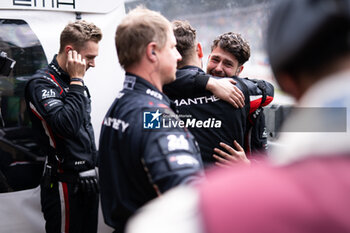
(199, 50)
(239, 70)
(151, 52)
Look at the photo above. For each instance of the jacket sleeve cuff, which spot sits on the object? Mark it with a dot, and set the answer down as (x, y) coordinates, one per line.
(201, 81)
(76, 88)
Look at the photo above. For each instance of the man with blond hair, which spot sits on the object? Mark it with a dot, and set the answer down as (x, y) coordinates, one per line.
(144, 150)
(59, 106)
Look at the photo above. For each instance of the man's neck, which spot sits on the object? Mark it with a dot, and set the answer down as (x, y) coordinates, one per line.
(151, 77)
(62, 60)
(193, 62)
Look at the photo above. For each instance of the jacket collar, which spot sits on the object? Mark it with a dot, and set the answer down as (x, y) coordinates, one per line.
(59, 71)
(137, 83)
(194, 68)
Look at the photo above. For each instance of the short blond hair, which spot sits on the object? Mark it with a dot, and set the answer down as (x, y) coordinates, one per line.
(140, 27)
(79, 32)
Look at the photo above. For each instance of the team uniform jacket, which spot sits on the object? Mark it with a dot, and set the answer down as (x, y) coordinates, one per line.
(194, 102)
(139, 157)
(60, 115)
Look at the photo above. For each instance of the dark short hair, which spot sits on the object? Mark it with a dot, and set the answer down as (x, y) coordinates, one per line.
(235, 44)
(185, 36)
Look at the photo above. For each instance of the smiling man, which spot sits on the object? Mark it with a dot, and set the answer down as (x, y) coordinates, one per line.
(229, 52)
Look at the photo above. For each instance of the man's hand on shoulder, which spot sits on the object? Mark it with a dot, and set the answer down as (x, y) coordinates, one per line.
(225, 89)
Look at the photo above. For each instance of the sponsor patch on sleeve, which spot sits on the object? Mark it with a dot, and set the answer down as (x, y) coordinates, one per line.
(50, 104)
(179, 161)
(49, 98)
(179, 151)
(48, 93)
(174, 142)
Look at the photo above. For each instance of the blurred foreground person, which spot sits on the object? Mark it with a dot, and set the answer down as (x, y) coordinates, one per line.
(60, 106)
(143, 150)
(307, 184)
